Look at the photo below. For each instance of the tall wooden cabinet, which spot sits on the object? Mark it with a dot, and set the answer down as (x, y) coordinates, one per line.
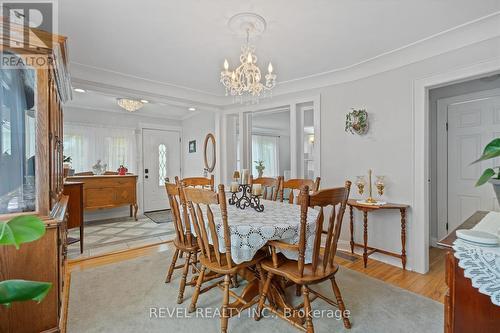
(31, 170)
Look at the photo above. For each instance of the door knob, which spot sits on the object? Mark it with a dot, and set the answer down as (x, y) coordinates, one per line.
(146, 176)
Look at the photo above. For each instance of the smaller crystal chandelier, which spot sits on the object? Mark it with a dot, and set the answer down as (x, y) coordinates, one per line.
(131, 105)
(245, 79)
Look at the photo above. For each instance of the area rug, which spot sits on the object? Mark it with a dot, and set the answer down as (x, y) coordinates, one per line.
(160, 216)
(131, 296)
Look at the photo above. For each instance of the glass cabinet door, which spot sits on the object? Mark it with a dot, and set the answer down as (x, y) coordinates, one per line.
(17, 140)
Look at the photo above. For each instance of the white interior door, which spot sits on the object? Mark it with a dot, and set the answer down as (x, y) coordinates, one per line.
(471, 125)
(161, 159)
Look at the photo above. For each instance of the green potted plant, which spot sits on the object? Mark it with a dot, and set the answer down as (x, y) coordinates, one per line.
(491, 150)
(19, 230)
(260, 167)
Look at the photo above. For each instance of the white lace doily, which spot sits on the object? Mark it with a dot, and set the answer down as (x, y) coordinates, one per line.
(482, 266)
(250, 230)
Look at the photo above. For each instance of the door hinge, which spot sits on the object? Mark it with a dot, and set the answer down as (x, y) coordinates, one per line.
(446, 226)
(446, 125)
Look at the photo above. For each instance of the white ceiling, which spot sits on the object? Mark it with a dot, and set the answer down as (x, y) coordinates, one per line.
(182, 44)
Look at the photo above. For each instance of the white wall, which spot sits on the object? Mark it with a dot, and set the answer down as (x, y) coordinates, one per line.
(388, 147)
(196, 128)
(98, 118)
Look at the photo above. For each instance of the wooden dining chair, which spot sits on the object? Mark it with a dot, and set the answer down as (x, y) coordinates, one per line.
(322, 267)
(200, 203)
(297, 184)
(271, 186)
(201, 182)
(185, 241)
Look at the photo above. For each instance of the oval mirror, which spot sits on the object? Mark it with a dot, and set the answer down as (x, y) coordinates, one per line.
(209, 152)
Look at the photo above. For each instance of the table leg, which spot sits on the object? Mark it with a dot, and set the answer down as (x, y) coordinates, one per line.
(403, 237)
(131, 207)
(351, 224)
(81, 238)
(365, 237)
(136, 208)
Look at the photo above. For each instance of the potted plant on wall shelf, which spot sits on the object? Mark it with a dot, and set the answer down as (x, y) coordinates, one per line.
(491, 150)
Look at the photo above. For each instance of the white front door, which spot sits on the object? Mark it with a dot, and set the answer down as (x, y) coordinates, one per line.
(161, 159)
(472, 124)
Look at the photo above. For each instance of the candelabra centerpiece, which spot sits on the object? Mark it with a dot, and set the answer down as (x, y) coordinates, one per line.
(361, 182)
(250, 194)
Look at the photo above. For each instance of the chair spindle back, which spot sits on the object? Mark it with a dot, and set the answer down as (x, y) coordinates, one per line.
(201, 182)
(181, 221)
(297, 184)
(197, 199)
(335, 200)
(271, 186)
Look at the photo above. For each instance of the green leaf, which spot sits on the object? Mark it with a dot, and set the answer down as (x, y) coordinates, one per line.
(21, 229)
(22, 290)
(487, 174)
(491, 150)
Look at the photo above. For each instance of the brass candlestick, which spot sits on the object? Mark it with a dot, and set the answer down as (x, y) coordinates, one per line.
(370, 197)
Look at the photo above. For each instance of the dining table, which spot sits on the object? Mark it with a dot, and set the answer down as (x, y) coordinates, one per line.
(250, 231)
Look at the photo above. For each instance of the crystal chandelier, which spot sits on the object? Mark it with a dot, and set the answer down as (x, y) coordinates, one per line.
(131, 105)
(245, 79)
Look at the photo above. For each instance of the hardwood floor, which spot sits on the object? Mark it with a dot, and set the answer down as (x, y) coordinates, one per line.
(430, 285)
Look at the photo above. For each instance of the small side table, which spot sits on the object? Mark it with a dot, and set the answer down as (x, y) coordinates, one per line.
(75, 209)
(367, 250)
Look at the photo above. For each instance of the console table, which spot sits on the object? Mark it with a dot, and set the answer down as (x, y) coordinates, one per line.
(108, 191)
(367, 250)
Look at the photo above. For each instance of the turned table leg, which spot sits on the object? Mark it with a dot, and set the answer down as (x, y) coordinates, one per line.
(365, 237)
(136, 208)
(351, 224)
(403, 237)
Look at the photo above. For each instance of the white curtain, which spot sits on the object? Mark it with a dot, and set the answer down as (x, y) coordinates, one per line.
(265, 148)
(87, 144)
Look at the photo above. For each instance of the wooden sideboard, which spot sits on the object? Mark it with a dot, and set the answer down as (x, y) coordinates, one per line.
(466, 309)
(108, 191)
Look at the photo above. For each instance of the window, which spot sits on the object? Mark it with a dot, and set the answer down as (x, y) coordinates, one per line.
(116, 153)
(162, 163)
(87, 144)
(265, 148)
(75, 146)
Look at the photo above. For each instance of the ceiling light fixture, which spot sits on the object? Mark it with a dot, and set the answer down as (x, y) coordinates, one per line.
(131, 105)
(245, 79)
(80, 90)
(145, 101)
(191, 109)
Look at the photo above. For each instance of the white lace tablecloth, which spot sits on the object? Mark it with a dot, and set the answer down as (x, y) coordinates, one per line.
(250, 230)
(482, 264)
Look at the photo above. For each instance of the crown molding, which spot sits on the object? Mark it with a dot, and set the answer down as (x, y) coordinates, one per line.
(481, 29)
(142, 112)
(116, 82)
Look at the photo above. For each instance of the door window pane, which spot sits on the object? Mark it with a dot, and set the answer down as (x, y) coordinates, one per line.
(162, 164)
